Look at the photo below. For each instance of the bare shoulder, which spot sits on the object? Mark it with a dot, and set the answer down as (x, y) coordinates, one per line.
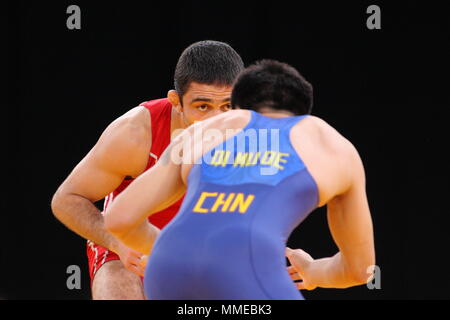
(129, 130)
(329, 156)
(326, 136)
(135, 123)
(126, 141)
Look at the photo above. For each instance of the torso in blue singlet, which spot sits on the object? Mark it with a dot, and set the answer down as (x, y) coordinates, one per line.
(243, 201)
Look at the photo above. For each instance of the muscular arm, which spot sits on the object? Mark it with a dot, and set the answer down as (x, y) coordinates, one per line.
(121, 150)
(351, 227)
(141, 199)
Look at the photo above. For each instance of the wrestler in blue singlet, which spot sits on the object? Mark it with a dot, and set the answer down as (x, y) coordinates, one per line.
(228, 240)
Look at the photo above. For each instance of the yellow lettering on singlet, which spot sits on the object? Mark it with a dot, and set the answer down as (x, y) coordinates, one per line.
(268, 158)
(241, 159)
(242, 202)
(228, 201)
(248, 159)
(198, 206)
(221, 202)
(217, 158)
(279, 158)
(220, 158)
(252, 159)
(225, 158)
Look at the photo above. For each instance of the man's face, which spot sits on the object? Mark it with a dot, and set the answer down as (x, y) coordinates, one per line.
(203, 101)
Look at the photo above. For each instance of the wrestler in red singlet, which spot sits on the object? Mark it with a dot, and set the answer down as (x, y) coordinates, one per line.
(160, 114)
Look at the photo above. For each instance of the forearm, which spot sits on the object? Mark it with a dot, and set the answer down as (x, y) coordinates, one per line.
(140, 238)
(331, 272)
(82, 217)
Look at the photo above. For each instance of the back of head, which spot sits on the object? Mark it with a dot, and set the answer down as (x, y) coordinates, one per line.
(207, 62)
(272, 84)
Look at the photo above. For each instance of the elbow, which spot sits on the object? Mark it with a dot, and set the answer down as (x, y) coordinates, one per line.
(56, 205)
(114, 223)
(361, 272)
(360, 277)
(111, 224)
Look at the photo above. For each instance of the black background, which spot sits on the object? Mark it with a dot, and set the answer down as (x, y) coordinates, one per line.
(385, 90)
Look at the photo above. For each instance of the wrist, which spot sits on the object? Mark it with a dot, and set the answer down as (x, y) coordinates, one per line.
(115, 245)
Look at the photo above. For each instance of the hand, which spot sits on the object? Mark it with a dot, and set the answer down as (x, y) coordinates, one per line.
(144, 260)
(298, 270)
(131, 259)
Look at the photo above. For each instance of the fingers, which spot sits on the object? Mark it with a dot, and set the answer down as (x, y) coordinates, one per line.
(134, 264)
(136, 267)
(301, 285)
(288, 252)
(291, 269)
(138, 270)
(136, 254)
(295, 277)
(134, 261)
(143, 261)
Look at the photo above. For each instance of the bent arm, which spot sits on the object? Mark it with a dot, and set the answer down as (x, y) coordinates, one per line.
(73, 202)
(350, 224)
(155, 190)
(116, 155)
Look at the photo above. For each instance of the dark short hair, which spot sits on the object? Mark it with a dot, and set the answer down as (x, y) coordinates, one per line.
(270, 83)
(207, 62)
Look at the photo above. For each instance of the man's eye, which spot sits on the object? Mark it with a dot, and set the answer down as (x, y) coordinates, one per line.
(227, 107)
(202, 107)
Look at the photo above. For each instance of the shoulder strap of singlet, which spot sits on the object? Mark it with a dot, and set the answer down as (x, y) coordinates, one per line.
(160, 114)
(289, 123)
(259, 121)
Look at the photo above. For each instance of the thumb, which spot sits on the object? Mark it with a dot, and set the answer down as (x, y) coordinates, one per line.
(288, 252)
(135, 253)
(144, 260)
(301, 286)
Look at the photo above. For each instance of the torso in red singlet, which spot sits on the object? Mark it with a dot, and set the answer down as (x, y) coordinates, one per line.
(160, 114)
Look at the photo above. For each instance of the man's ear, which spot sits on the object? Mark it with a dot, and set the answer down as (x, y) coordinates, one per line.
(175, 100)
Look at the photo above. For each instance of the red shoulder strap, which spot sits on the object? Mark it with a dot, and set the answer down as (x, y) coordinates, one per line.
(161, 114)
